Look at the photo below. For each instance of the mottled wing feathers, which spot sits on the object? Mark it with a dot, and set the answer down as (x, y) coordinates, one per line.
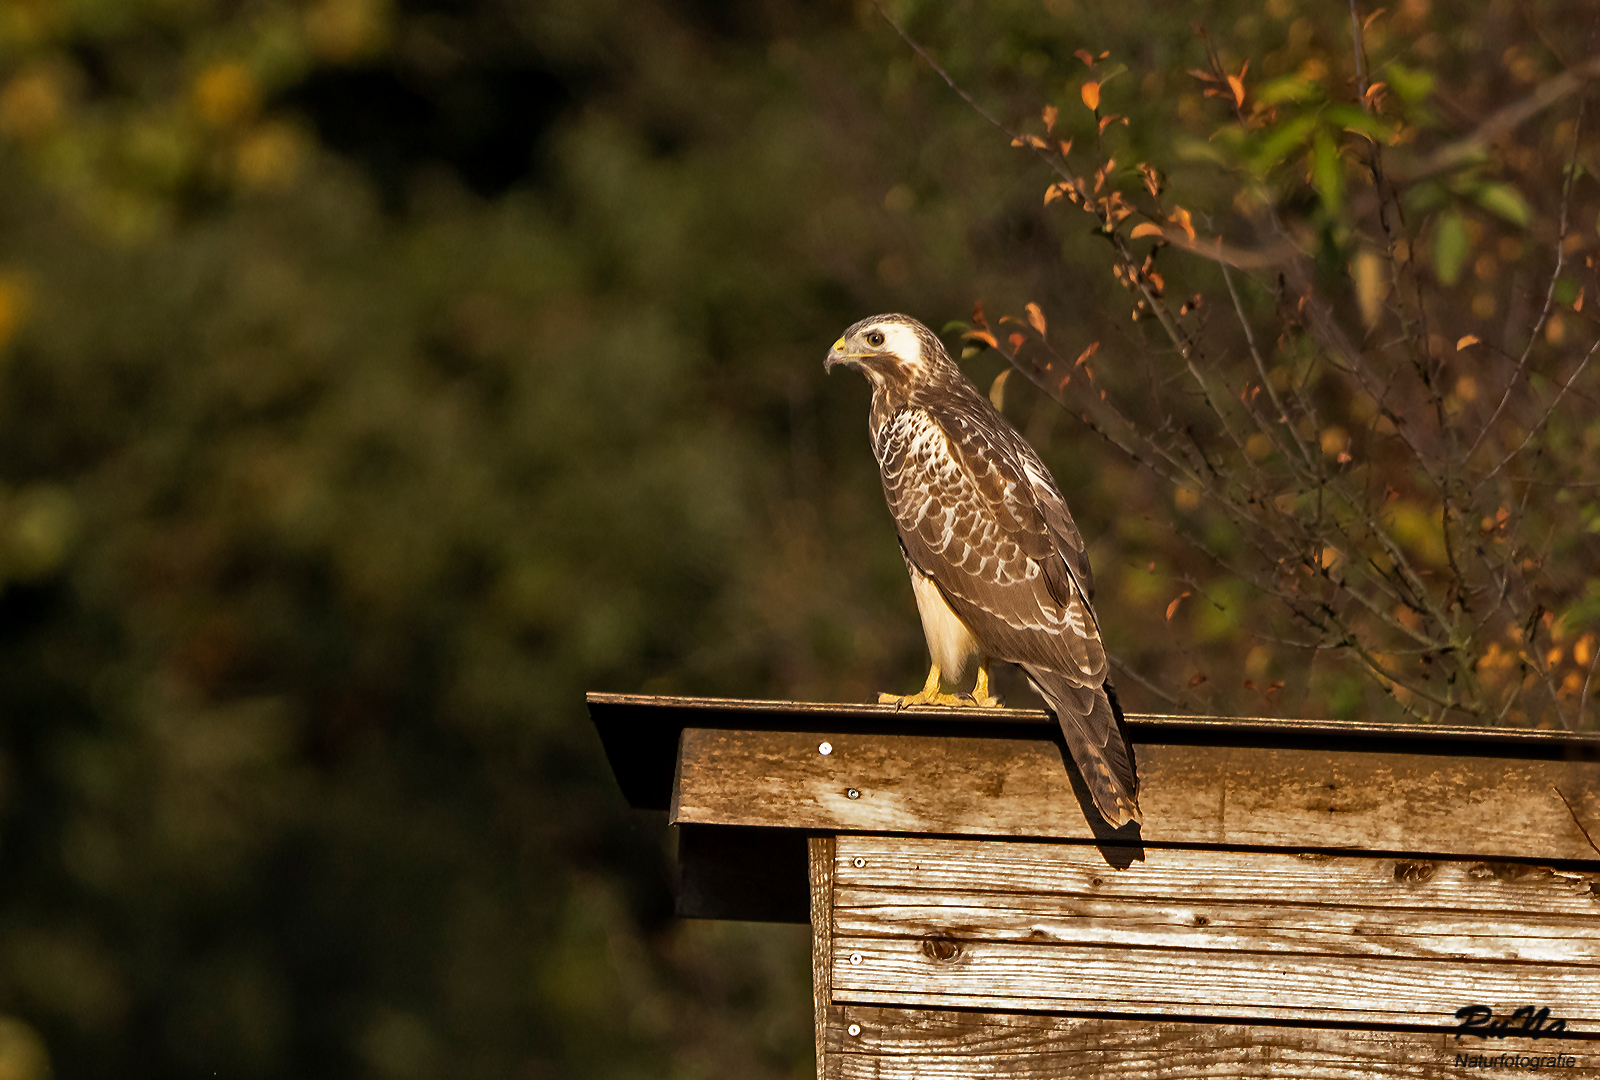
(1054, 510)
(967, 518)
(979, 514)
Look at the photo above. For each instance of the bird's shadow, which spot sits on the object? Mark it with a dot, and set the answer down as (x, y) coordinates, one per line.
(1120, 847)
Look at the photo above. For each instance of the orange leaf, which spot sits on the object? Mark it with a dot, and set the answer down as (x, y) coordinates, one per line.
(983, 336)
(1054, 192)
(1172, 608)
(1181, 218)
(1199, 677)
(1577, 305)
(1029, 140)
(1066, 148)
(1469, 339)
(1017, 341)
(1152, 179)
(1236, 84)
(1049, 117)
(1147, 228)
(1035, 318)
(1093, 348)
(1086, 56)
(1091, 95)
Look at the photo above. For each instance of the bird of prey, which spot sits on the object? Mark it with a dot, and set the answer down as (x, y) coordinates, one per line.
(998, 568)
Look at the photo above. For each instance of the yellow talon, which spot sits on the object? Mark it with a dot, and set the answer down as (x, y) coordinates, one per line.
(928, 695)
(980, 691)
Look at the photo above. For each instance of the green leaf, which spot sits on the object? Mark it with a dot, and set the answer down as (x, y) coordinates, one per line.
(1566, 291)
(1504, 201)
(1425, 197)
(1287, 88)
(1450, 247)
(1327, 170)
(1354, 118)
(1188, 148)
(1280, 142)
(1411, 85)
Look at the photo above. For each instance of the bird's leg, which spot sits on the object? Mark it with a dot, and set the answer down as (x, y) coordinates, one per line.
(980, 690)
(928, 695)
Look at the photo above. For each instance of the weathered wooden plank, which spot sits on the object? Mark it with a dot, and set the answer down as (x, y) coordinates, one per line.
(822, 860)
(942, 973)
(1145, 727)
(901, 1044)
(1487, 889)
(1237, 796)
(1266, 928)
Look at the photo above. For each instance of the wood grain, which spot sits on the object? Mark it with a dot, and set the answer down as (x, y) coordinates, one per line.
(1257, 928)
(1193, 982)
(899, 1044)
(1251, 935)
(1012, 867)
(1478, 807)
(822, 859)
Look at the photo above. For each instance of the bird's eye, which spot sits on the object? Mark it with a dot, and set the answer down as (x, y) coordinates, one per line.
(875, 338)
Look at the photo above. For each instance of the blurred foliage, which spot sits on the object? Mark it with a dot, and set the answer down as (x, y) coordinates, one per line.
(376, 377)
(1375, 462)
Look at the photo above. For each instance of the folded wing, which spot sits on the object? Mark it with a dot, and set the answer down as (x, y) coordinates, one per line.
(978, 513)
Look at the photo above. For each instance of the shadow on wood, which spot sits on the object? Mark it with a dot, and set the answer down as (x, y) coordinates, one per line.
(1315, 900)
(1120, 847)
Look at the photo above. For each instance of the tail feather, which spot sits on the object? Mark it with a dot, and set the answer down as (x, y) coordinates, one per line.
(1091, 719)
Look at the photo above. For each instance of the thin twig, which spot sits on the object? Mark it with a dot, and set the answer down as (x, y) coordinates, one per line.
(1532, 431)
(1503, 122)
(1573, 811)
(1550, 290)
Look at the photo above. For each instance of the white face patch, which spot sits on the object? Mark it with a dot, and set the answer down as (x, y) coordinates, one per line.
(901, 341)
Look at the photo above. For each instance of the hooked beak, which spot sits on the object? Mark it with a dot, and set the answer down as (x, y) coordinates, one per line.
(837, 355)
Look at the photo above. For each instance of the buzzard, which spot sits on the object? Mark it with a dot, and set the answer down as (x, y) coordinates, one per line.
(998, 568)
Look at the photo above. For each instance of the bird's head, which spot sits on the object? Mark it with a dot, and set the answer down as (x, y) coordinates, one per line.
(890, 350)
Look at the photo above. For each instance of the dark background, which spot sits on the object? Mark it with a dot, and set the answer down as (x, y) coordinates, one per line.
(376, 378)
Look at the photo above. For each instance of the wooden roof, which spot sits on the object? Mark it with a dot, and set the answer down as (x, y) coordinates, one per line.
(640, 732)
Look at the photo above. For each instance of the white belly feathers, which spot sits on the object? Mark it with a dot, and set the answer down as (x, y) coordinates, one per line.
(950, 643)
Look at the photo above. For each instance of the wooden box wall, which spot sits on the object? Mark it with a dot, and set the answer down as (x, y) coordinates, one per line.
(1303, 900)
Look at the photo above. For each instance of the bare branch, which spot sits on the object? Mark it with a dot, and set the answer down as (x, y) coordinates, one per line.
(1503, 122)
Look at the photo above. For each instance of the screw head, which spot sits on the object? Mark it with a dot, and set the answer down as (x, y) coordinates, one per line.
(859, 861)
(853, 793)
(854, 1029)
(825, 749)
(855, 958)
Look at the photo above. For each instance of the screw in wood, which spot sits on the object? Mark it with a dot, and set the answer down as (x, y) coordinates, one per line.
(854, 1029)
(853, 793)
(855, 958)
(859, 861)
(825, 749)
